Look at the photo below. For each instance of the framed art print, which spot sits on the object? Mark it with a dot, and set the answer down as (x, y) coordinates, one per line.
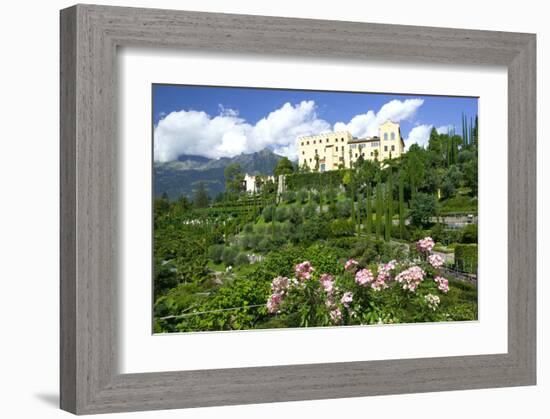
(329, 216)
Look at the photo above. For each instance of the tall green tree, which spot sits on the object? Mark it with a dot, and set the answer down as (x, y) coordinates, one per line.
(234, 178)
(201, 199)
(369, 210)
(423, 207)
(284, 167)
(389, 206)
(379, 208)
(401, 206)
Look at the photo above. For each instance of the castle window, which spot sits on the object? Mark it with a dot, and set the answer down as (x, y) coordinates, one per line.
(315, 151)
(308, 143)
(371, 153)
(355, 155)
(385, 136)
(302, 144)
(303, 152)
(310, 160)
(385, 148)
(393, 135)
(327, 140)
(336, 148)
(392, 148)
(342, 140)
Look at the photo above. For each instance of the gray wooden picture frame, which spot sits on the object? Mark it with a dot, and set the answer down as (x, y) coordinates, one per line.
(90, 36)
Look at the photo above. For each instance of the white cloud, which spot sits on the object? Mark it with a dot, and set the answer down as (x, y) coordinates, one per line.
(366, 125)
(419, 135)
(227, 134)
(444, 129)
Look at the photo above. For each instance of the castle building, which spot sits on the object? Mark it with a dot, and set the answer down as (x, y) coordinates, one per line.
(334, 150)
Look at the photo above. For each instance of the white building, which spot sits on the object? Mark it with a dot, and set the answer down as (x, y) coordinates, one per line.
(333, 150)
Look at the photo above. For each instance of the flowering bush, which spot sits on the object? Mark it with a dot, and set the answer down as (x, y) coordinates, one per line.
(436, 260)
(425, 245)
(391, 292)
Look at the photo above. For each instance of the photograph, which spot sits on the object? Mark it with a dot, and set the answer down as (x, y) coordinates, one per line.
(279, 208)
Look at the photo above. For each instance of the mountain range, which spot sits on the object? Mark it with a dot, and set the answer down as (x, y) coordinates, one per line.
(182, 176)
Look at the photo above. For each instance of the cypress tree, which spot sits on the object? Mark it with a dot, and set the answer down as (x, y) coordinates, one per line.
(379, 208)
(353, 220)
(389, 205)
(401, 207)
(359, 200)
(369, 211)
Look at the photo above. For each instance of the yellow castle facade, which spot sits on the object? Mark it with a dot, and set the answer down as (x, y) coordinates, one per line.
(334, 150)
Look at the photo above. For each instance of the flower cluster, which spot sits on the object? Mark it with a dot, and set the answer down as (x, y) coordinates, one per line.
(442, 284)
(384, 275)
(425, 245)
(280, 284)
(327, 282)
(351, 265)
(273, 303)
(304, 270)
(433, 301)
(346, 299)
(410, 278)
(363, 277)
(279, 288)
(435, 260)
(336, 315)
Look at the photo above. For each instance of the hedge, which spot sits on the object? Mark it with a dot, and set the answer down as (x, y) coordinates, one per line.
(466, 257)
(296, 181)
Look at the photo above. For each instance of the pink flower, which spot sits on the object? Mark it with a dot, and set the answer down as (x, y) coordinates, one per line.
(304, 270)
(351, 264)
(384, 274)
(442, 284)
(425, 245)
(279, 284)
(273, 302)
(347, 298)
(327, 281)
(411, 278)
(379, 284)
(436, 260)
(336, 316)
(364, 277)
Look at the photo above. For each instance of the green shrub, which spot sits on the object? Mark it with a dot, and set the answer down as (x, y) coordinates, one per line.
(281, 214)
(294, 215)
(248, 228)
(267, 213)
(229, 254)
(309, 211)
(301, 196)
(289, 197)
(241, 259)
(215, 252)
(344, 208)
(466, 257)
(341, 228)
(469, 234)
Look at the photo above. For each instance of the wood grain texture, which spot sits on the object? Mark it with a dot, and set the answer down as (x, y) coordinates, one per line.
(89, 196)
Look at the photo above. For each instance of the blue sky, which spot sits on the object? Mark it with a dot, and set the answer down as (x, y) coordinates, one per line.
(222, 122)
